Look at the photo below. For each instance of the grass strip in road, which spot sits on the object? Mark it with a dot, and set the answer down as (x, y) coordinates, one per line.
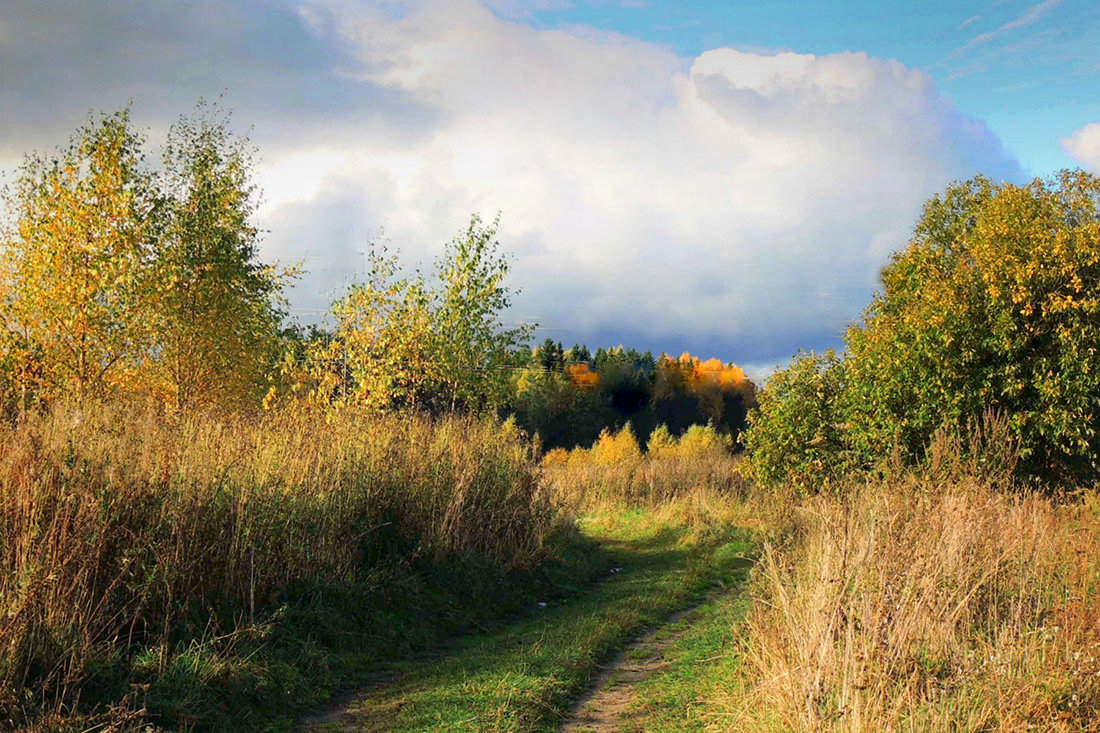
(523, 677)
(701, 660)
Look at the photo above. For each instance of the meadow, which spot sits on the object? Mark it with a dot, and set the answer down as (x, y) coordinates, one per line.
(142, 551)
(407, 519)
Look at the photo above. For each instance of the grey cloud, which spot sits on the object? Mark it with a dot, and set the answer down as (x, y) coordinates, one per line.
(61, 58)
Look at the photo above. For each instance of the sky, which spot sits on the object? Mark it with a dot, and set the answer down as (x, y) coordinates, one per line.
(726, 178)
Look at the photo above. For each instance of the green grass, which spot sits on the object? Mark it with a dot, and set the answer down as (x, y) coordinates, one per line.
(322, 641)
(700, 660)
(523, 677)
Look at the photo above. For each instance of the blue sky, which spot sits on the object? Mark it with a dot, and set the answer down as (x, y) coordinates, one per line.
(724, 178)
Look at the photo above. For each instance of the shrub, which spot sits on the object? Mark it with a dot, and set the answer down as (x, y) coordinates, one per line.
(703, 440)
(993, 305)
(661, 444)
(555, 457)
(796, 436)
(615, 472)
(617, 448)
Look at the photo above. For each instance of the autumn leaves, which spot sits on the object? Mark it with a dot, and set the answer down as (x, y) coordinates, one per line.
(121, 276)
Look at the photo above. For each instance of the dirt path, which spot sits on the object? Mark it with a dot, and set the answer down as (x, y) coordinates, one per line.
(606, 707)
(516, 676)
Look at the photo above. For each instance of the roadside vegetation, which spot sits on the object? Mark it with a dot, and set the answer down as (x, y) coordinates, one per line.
(153, 550)
(941, 572)
(214, 519)
(913, 604)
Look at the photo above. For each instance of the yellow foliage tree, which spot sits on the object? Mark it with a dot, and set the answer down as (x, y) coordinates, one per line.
(380, 354)
(621, 447)
(76, 269)
(403, 342)
(661, 444)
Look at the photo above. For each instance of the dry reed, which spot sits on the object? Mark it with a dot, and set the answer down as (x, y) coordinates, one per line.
(115, 524)
(914, 605)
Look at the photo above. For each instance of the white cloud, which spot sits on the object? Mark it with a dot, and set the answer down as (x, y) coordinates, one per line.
(736, 203)
(1084, 146)
(735, 198)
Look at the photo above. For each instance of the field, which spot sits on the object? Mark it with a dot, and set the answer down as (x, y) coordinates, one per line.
(208, 574)
(405, 518)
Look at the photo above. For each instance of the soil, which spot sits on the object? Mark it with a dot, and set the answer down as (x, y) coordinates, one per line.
(606, 707)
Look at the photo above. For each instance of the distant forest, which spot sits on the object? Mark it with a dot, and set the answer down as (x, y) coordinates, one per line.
(569, 396)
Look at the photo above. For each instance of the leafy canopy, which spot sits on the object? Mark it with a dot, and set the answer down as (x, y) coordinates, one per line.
(993, 305)
(76, 266)
(404, 341)
(116, 276)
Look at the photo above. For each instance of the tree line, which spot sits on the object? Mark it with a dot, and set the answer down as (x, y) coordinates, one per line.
(570, 396)
(128, 270)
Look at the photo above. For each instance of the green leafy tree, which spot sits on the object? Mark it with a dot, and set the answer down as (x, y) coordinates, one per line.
(219, 317)
(474, 349)
(994, 304)
(992, 307)
(796, 435)
(399, 342)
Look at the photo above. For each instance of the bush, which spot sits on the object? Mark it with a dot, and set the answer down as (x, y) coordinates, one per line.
(661, 444)
(617, 448)
(703, 440)
(994, 305)
(796, 436)
(614, 472)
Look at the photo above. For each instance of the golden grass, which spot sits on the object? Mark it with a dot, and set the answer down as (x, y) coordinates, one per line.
(916, 606)
(116, 523)
(614, 472)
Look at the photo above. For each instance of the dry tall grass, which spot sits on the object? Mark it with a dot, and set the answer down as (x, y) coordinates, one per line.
(115, 525)
(614, 472)
(925, 606)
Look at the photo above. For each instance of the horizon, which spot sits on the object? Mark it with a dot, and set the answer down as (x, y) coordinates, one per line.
(670, 176)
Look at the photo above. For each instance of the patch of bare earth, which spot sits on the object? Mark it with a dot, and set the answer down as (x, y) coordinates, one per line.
(608, 704)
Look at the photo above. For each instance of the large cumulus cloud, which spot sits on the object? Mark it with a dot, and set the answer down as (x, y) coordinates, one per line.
(735, 203)
(736, 200)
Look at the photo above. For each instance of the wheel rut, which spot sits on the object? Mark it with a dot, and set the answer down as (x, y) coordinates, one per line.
(611, 698)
